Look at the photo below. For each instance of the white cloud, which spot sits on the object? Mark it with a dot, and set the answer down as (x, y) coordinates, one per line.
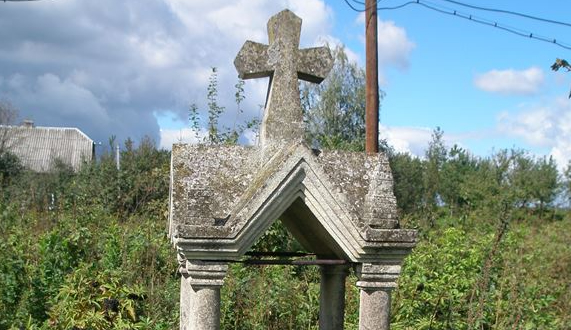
(547, 126)
(394, 45)
(184, 135)
(317, 16)
(333, 42)
(413, 140)
(252, 137)
(188, 135)
(16, 81)
(107, 71)
(524, 82)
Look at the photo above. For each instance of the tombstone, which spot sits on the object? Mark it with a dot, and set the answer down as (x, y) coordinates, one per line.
(339, 205)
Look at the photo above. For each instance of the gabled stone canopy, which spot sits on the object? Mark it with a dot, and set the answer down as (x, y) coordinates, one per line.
(336, 204)
(339, 205)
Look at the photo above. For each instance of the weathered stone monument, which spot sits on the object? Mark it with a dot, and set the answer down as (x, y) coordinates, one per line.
(339, 205)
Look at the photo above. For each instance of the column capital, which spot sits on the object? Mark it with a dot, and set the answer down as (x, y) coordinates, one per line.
(377, 276)
(204, 273)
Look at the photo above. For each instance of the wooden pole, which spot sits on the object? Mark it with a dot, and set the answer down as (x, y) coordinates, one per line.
(372, 79)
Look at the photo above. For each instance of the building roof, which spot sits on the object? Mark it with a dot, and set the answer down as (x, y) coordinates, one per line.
(38, 148)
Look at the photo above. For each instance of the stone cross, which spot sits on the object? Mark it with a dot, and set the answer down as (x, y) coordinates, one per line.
(284, 63)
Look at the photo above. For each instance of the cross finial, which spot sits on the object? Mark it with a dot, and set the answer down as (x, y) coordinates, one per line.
(284, 63)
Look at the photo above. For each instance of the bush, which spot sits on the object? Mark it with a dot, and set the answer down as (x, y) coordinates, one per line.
(10, 168)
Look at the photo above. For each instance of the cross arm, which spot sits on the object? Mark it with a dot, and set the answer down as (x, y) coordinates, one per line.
(313, 64)
(252, 61)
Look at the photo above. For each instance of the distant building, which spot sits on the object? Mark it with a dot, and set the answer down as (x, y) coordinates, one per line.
(38, 148)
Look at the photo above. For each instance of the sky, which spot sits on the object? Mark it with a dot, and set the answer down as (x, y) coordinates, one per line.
(131, 68)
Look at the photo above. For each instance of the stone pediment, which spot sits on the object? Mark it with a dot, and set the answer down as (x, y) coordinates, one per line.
(335, 203)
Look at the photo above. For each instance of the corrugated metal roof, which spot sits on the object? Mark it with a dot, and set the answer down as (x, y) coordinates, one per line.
(39, 147)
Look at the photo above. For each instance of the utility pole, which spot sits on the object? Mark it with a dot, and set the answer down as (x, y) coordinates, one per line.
(117, 157)
(372, 79)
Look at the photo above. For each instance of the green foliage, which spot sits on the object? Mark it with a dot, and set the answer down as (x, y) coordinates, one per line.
(218, 134)
(277, 239)
(97, 299)
(566, 184)
(456, 169)
(214, 110)
(532, 281)
(452, 182)
(13, 278)
(270, 297)
(546, 182)
(334, 110)
(77, 267)
(435, 159)
(61, 232)
(437, 280)
(10, 168)
(463, 277)
(408, 172)
(143, 177)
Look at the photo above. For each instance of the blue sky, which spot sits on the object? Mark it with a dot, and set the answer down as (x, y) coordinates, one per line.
(470, 79)
(131, 68)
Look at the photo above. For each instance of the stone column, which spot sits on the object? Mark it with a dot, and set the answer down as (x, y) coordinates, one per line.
(332, 297)
(376, 282)
(200, 294)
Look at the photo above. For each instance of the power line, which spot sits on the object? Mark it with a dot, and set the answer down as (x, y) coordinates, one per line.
(376, 2)
(494, 24)
(510, 12)
(477, 19)
(354, 8)
(503, 11)
(360, 3)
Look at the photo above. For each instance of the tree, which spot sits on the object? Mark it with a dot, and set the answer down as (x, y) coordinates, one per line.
(522, 179)
(10, 165)
(218, 134)
(546, 179)
(8, 114)
(435, 160)
(214, 109)
(567, 182)
(334, 111)
(408, 182)
(458, 167)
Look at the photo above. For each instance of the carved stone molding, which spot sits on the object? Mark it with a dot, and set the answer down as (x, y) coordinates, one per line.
(205, 273)
(377, 276)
